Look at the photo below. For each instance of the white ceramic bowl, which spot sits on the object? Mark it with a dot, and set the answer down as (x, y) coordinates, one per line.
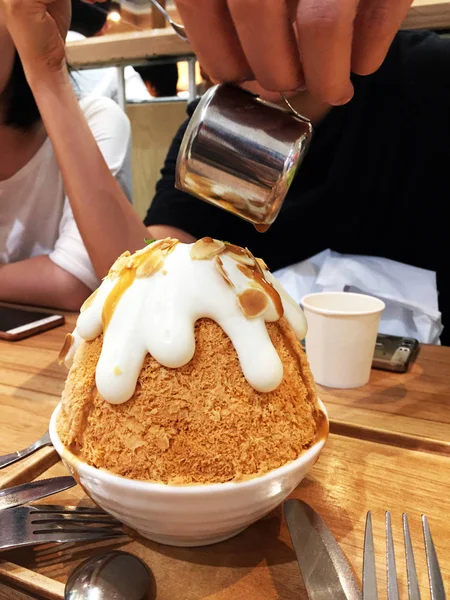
(194, 515)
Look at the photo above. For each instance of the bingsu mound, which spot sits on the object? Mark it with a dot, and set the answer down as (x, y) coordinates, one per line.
(185, 368)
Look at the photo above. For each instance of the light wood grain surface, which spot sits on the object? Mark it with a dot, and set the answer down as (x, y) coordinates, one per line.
(351, 477)
(410, 410)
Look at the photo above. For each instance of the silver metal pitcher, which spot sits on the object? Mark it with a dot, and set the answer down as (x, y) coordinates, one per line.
(241, 153)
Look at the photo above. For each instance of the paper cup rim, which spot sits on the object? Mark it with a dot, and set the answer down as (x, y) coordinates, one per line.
(342, 313)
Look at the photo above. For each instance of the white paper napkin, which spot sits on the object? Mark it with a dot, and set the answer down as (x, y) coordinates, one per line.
(410, 293)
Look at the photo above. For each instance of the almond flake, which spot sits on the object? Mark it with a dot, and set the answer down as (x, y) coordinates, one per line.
(242, 259)
(219, 264)
(235, 249)
(255, 262)
(253, 303)
(206, 248)
(122, 263)
(262, 264)
(68, 343)
(151, 263)
(168, 244)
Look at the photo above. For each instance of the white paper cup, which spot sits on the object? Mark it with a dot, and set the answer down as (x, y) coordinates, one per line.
(341, 338)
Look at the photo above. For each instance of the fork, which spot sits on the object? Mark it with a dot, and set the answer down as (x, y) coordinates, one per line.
(437, 591)
(42, 524)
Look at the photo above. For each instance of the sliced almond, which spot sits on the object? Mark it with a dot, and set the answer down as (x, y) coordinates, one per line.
(255, 262)
(68, 343)
(87, 303)
(262, 264)
(258, 281)
(253, 302)
(235, 249)
(219, 264)
(168, 244)
(206, 248)
(122, 263)
(151, 263)
(242, 259)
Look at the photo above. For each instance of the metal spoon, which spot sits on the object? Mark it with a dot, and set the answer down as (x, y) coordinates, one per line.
(9, 459)
(111, 576)
(179, 29)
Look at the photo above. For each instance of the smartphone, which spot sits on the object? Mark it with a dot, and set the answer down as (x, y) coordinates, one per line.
(19, 323)
(394, 353)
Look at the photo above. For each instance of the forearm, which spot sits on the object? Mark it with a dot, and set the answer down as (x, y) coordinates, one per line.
(39, 281)
(107, 222)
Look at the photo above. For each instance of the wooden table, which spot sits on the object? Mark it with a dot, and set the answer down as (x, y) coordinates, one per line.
(389, 450)
(410, 410)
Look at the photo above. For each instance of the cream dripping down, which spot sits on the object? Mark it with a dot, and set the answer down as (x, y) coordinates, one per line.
(150, 301)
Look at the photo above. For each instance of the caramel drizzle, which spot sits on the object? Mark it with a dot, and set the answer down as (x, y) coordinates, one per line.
(127, 268)
(112, 300)
(254, 274)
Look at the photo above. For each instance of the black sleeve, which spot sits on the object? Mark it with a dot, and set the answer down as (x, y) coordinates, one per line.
(419, 61)
(181, 210)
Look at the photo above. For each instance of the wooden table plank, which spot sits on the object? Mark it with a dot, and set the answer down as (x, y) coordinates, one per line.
(351, 477)
(412, 409)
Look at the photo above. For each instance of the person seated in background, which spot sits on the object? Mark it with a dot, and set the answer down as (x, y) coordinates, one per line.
(90, 20)
(370, 184)
(64, 177)
(160, 80)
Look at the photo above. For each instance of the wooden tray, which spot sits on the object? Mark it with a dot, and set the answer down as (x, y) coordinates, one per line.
(351, 477)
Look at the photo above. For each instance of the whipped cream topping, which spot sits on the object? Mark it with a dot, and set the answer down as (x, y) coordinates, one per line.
(150, 301)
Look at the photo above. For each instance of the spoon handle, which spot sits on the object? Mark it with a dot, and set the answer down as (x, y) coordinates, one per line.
(10, 459)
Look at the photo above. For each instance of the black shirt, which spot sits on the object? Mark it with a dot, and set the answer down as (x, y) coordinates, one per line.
(375, 181)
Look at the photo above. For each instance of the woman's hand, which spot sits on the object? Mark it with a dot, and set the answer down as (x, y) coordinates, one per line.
(285, 44)
(38, 29)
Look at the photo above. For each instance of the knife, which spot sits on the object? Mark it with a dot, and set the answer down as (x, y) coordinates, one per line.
(325, 570)
(29, 492)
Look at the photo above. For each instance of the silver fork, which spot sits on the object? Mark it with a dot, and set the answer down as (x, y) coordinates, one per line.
(370, 592)
(42, 524)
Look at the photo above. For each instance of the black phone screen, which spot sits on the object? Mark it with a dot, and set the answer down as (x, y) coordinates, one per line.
(10, 318)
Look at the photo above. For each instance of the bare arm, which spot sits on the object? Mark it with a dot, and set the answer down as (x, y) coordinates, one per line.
(107, 222)
(40, 282)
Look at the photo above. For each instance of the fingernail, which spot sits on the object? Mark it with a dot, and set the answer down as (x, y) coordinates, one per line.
(344, 99)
